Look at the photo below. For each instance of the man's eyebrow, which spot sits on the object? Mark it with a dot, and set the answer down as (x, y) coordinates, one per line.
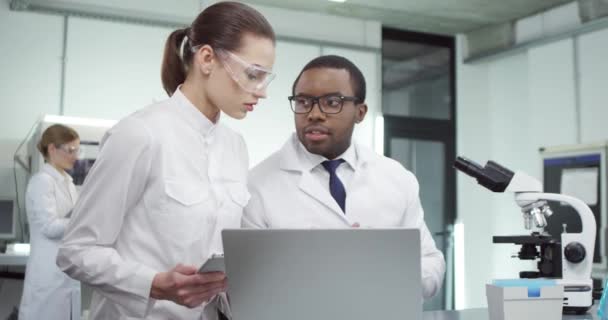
(324, 95)
(338, 93)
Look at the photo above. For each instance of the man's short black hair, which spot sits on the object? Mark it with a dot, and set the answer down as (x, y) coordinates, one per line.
(337, 62)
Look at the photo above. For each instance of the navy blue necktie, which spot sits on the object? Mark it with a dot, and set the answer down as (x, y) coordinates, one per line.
(336, 188)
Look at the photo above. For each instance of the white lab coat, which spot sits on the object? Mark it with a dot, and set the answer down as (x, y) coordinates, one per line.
(48, 293)
(166, 182)
(381, 193)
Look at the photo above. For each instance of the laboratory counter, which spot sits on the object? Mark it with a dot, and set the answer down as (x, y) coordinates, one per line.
(13, 259)
(468, 314)
(482, 314)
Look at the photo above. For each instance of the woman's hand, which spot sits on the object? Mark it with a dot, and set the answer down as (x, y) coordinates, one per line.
(185, 286)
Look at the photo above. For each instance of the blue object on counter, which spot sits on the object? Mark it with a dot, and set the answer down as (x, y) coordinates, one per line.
(601, 310)
(533, 285)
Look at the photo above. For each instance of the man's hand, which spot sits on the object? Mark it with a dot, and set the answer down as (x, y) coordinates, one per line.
(185, 286)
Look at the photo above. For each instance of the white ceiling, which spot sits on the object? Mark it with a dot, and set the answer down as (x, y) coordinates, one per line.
(434, 16)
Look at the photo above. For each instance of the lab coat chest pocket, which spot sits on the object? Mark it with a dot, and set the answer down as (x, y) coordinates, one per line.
(184, 194)
(239, 194)
(188, 210)
(233, 207)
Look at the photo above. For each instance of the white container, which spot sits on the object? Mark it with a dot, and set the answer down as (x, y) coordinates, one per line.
(517, 303)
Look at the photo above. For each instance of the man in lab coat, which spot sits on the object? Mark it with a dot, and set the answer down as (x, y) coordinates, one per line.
(319, 179)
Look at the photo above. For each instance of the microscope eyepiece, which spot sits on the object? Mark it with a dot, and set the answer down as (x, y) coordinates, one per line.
(493, 176)
(469, 167)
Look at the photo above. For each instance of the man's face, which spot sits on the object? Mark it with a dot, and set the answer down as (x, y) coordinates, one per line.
(328, 135)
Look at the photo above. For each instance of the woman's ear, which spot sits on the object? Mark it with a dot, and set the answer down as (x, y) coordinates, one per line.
(205, 57)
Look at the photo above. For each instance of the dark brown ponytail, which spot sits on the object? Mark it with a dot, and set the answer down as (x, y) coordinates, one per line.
(221, 26)
(173, 70)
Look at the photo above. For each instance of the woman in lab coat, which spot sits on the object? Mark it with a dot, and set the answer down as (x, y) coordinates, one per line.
(170, 177)
(48, 293)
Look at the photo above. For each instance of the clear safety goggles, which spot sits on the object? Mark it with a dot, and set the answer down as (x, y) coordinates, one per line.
(71, 150)
(251, 78)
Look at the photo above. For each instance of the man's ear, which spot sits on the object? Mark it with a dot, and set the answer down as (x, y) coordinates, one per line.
(361, 112)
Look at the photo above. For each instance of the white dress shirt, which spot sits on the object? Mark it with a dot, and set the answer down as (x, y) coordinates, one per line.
(345, 171)
(166, 182)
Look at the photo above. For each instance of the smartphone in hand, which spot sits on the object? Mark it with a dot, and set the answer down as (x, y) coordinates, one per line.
(214, 264)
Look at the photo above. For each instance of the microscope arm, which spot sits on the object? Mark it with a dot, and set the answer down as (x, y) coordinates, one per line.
(587, 218)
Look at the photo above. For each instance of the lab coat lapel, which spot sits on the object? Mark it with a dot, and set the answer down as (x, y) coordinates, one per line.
(290, 161)
(309, 185)
(61, 182)
(355, 198)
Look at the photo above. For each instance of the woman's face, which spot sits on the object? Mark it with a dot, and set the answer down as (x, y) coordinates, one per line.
(240, 78)
(64, 156)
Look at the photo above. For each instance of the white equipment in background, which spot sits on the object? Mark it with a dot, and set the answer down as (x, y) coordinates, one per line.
(90, 131)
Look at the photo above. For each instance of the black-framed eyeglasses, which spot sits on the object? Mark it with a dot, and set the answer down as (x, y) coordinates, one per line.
(330, 104)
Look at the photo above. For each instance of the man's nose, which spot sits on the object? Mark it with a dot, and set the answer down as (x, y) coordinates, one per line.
(316, 113)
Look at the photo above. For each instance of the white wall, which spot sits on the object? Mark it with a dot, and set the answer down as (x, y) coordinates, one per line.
(29, 86)
(508, 98)
(112, 68)
(592, 51)
(552, 95)
(473, 139)
(507, 109)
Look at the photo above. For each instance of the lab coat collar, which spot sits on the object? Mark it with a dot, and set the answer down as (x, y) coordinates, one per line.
(53, 172)
(310, 160)
(295, 157)
(189, 113)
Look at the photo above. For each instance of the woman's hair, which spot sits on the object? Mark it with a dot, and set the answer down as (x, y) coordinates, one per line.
(221, 26)
(56, 134)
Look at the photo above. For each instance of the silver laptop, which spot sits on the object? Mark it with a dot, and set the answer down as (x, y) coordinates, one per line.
(347, 274)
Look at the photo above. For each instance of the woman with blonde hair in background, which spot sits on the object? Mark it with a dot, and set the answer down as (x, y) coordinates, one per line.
(48, 293)
(170, 177)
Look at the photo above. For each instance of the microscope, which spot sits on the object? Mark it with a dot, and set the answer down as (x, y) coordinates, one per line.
(567, 260)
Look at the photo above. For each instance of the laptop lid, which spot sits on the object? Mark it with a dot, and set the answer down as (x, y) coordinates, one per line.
(355, 274)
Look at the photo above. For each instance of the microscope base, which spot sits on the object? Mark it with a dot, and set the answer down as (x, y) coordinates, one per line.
(578, 295)
(576, 310)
